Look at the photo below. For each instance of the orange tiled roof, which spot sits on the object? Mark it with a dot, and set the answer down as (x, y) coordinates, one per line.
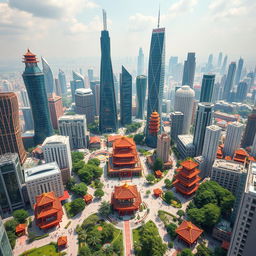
(158, 173)
(37, 150)
(158, 191)
(225, 245)
(125, 192)
(112, 138)
(189, 164)
(20, 228)
(241, 151)
(188, 232)
(88, 197)
(94, 139)
(62, 240)
(124, 142)
(45, 198)
(229, 158)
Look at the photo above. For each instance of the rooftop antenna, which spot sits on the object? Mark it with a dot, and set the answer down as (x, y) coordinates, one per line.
(104, 19)
(158, 23)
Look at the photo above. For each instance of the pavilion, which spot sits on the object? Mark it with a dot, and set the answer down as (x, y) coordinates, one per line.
(62, 242)
(20, 229)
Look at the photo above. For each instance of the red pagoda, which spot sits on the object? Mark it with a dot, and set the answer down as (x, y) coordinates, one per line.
(48, 210)
(126, 199)
(187, 179)
(240, 155)
(154, 123)
(124, 160)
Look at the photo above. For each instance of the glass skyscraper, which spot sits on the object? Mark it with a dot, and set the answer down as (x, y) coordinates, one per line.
(239, 71)
(62, 81)
(48, 77)
(77, 83)
(35, 85)
(140, 63)
(189, 70)
(141, 87)
(156, 71)
(108, 114)
(5, 247)
(207, 88)
(125, 97)
(228, 86)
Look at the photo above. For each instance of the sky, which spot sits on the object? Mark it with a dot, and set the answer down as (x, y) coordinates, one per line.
(70, 29)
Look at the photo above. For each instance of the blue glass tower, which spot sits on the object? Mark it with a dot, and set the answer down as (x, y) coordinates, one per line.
(48, 77)
(63, 82)
(207, 88)
(141, 87)
(35, 85)
(125, 97)
(108, 114)
(77, 83)
(156, 71)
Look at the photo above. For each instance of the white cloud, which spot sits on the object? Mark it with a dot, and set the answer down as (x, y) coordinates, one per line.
(140, 22)
(182, 6)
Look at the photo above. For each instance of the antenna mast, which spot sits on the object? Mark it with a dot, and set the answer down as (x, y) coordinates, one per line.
(158, 23)
(104, 19)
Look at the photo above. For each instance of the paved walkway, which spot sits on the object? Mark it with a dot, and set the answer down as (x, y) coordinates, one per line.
(127, 238)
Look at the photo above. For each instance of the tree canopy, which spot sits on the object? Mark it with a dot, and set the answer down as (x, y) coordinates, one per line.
(158, 164)
(105, 209)
(94, 161)
(80, 189)
(99, 193)
(20, 215)
(77, 205)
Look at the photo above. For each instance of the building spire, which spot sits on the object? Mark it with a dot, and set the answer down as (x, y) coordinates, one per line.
(104, 19)
(158, 23)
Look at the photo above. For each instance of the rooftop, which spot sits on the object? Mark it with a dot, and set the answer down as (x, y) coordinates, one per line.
(251, 185)
(231, 166)
(8, 157)
(41, 171)
(83, 91)
(72, 117)
(56, 139)
(186, 139)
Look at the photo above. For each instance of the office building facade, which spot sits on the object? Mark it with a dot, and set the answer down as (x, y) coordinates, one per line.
(56, 109)
(250, 130)
(163, 147)
(239, 71)
(5, 247)
(189, 70)
(228, 86)
(253, 149)
(207, 88)
(141, 88)
(62, 81)
(241, 92)
(95, 87)
(140, 63)
(48, 77)
(77, 83)
(185, 146)
(176, 124)
(28, 118)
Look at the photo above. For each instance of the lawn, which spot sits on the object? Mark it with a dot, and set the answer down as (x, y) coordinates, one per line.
(47, 250)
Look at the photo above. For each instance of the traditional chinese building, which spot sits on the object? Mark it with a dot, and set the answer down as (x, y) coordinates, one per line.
(219, 153)
(126, 199)
(94, 142)
(240, 155)
(153, 129)
(48, 210)
(187, 179)
(124, 161)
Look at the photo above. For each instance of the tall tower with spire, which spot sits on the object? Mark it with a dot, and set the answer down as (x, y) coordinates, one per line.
(108, 113)
(156, 70)
(35, 85)
(48, 77)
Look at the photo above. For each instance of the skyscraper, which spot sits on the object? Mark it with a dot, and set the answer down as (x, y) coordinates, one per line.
(233, 138)
(141, 88)
(173, 62)
(78, 82)
(24, 98)
(156, 71)
(203, 119)
(253, 150)
(10, 133)
(189, 70)
(57, 87)
(95, 87)
(176, 124)
(207, 88)
(219, 59)
(28, 118)
(11, 180)
(209, 65)
(5, 247)
(56, 109)
(140, 63)
(48, 77)
(241, 92)
(34, 82)
(125, 97)
(90, 74)
(250, 130)
(210, 147)
(239, 71)
(62, 81)
(184, 100)
(224, 65)
(108, 113)
(228, 86)
(163, 147)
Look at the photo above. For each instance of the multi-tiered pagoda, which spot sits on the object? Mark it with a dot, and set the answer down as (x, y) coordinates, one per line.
(240, 155)
(48, 210)
(187, 179)
(153, 129)
(126, 199)
(124, 160)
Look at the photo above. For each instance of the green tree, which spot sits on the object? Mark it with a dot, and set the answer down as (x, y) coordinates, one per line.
(158, 165)
(77, 156)
(94, 161)
(12, 238)
(180, 213)
(105, 209)
(77, 205)
(10, 225)
(168, 196)
(139, 139)
(80, 189)
(70, 183)
(90, 221)
(77, 166)
(93, 239)
(85, 251)
(168, 183)
(205, 198)
(196, 216)
(186, 252)
(99, 193)
(107, 233)
(20, 215)
(212, 215)
(218, 251)
(85, 175)
(150, 178)
(202, 250)
(171, 230)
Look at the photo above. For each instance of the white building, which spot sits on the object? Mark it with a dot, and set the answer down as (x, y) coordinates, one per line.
(184, 100)
(163, 147)
(74, 126)
(185, 146)
(56, 148)
(210, 147)
(243, 236)
(233, 138)
(42, 179)
(254, 146)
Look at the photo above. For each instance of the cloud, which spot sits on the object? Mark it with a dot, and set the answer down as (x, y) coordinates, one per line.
(140, 22)
(182, 6)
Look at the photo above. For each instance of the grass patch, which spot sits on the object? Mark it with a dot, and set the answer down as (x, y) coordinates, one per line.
(67, 207)
(166, 217)
(33, 238)
(68, 224)
(49, 250)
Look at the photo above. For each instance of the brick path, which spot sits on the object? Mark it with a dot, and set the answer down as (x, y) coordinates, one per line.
(127, 238)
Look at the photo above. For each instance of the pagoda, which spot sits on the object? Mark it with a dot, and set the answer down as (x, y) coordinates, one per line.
(240, 155)
(126, 199)
(153, 129)
(124, 160)
(187, 179)
(48, 210)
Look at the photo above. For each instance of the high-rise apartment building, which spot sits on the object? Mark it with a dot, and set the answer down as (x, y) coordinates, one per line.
(85, 104)
(125, 97)
(77, 83)
(207, 88)
(35, 85)
(108, 112)
(90, 74)
(241, 92)
(24, 98)
(28, 118)
(5, 247)
(189, 70)
(233, 138)
(224, 65)
(253, 149)
(156, 72)
(140, 63)
(62, 81)
(141, 88)
(11, 180)
(184, 100)
(177, 119)
(10, 132)
(250, 130)
(95, 87)
(239, 71)
(228, 86)
(163, 147)
(210, 147)
(56, 109)
(173, 62)
(57, 149)
(219, 59)
(209, 65)
(243, 235)
(57, 87)
(48, 77)
(43, 179)
(75, 127)
(204, 117)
